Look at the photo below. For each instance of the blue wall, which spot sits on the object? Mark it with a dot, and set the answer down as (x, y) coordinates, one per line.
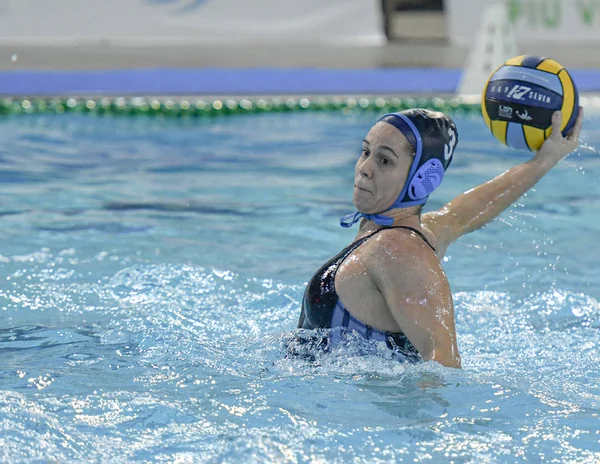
(261, 81)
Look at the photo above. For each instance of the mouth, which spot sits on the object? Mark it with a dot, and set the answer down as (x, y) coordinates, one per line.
(361, 188)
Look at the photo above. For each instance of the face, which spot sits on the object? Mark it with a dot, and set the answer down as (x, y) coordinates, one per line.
(381, 169)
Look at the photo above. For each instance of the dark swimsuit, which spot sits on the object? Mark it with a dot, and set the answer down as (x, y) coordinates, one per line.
(323, 309)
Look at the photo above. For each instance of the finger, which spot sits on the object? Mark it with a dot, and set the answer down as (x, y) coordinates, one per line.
(574, 134)
(556, 123)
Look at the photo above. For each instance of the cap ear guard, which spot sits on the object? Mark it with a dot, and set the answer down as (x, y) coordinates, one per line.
(427, 178)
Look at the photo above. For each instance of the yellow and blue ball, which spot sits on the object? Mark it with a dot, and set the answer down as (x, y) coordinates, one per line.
(521, 96)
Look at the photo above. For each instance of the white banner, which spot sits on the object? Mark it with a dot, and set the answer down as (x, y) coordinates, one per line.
(188, 21)
(533, 20)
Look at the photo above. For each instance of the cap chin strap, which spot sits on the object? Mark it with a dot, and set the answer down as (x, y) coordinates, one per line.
(350, 219)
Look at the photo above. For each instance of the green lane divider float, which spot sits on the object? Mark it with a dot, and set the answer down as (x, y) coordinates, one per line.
(199, 107)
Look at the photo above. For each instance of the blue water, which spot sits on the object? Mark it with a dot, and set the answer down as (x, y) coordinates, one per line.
(151, 270)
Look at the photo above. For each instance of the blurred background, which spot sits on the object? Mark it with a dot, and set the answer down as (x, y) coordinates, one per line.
(61, 35)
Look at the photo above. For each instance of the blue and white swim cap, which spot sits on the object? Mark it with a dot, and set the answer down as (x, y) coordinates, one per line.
(433, 137)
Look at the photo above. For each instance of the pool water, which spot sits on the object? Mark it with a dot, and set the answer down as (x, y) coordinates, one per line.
(152, 269)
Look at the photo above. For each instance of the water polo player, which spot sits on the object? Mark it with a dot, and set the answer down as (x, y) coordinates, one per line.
(389, 284)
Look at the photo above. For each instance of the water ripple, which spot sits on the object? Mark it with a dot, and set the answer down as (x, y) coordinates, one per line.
(131, 335)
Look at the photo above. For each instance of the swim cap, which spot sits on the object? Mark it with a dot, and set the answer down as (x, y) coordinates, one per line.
(433, 137)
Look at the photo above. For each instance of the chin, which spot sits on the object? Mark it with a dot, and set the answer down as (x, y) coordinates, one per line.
(361, 205)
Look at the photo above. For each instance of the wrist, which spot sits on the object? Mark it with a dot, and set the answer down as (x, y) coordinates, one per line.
(544, 162)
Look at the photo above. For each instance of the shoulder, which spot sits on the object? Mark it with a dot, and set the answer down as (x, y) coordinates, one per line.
(402, 251)
(399, 239)
(441, 227)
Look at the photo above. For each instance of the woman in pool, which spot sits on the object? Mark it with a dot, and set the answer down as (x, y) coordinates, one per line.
(389, 284)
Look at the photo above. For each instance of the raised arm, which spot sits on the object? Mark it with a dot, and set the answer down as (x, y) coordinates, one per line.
(476, 207)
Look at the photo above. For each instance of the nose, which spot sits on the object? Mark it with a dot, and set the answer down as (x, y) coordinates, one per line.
(365, 168)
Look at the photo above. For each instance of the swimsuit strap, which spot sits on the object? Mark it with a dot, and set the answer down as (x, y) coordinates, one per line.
(360, 241)
(418, 232)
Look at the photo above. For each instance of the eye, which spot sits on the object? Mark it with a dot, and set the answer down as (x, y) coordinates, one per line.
(385, 161)
(365, 152)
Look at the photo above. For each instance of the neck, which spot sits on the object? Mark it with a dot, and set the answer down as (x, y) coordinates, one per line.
(410, 216)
